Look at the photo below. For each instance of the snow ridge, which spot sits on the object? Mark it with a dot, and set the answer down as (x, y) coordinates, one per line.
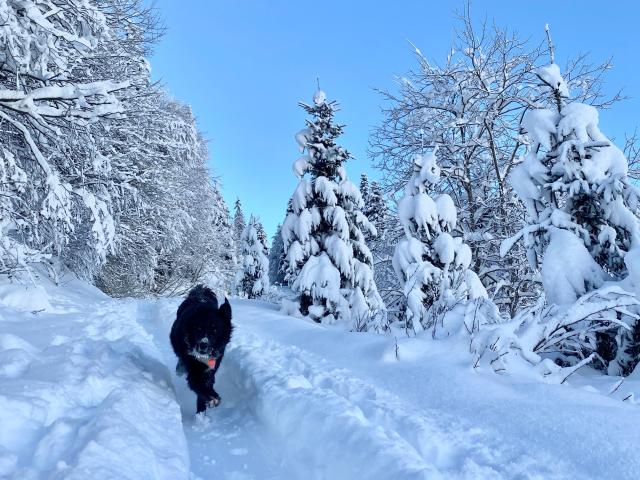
(334, 425)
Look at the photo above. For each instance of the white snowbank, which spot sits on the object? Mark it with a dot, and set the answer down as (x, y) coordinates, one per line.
(83, 393)
(87, 393)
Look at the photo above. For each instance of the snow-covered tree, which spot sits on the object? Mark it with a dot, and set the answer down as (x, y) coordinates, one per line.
(173, 227)
(253, 275)
(470, 104)
(581, 210)
(262, 236)
(276, 259)
(329, 265)
(432, 264)
(239, 222)
(382, 245)
(376, 208)
(574, 179)
(365, 189)
(49, 99)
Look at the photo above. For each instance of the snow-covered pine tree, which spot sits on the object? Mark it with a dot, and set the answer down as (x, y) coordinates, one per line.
(262, 236)
(382, 246)
(365, 189)
(253, 276)
(432, 265)
(328, 262)
(581, 209)
(223, 262)
(376, 208)
(239, 223)
(276, 259)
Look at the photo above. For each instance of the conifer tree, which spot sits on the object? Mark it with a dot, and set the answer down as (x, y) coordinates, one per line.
(276, 259)
(262, 236)
(432, 265)
(253, 277)
(328, 262)
(376, 209)
(238, 225)
(365, 189)
(581, 213)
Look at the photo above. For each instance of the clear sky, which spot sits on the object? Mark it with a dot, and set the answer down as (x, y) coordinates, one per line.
(244, 65)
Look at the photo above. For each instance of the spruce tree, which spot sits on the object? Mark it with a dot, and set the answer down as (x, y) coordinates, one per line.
(238, 226)
(432, 265)
(377, 210)
(262, 236)
(328, 262)
(365, 189)
(581, 209)
(253, 276)
(276, 259)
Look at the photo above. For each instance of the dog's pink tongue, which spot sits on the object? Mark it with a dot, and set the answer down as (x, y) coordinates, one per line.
(211, 362)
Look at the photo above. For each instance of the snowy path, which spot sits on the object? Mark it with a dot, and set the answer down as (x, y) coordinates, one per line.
(291, 413)
(228, 442)
(87, 390)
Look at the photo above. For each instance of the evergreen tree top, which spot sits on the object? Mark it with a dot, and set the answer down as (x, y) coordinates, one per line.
(324, 156)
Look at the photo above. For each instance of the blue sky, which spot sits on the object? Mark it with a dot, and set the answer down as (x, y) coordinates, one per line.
(244, 65)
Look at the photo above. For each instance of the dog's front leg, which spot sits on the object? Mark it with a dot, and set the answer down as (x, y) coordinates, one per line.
(201, 404)
(214, 397)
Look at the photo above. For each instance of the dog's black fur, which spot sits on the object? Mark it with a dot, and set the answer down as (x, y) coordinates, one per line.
(201, 329)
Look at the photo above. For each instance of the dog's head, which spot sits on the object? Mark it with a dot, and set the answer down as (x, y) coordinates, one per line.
(211, 330)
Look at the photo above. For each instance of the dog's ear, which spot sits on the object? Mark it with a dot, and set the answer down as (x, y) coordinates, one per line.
(225, 309)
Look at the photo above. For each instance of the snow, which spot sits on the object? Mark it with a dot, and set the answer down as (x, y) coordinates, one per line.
(447, 213)
(79, 383)
(425, 212)
(302, 137)
(96, 397)
(568, 271)
(550, 74)
(25, 298)
(444, 247)
(582, 121)
(300, 166)
(319, 97)
(539, 125)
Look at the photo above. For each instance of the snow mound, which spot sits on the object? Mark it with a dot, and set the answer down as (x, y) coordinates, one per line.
(84, 394)
(24, 297)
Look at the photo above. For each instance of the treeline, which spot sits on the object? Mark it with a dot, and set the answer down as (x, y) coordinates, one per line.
(101, 171)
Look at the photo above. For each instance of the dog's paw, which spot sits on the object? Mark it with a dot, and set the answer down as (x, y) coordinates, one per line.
(215, 401)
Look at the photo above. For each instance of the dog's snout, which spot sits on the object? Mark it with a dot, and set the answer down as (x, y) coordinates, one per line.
(203, 344)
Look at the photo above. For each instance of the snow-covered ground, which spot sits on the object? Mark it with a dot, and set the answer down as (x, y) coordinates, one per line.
(87, 390)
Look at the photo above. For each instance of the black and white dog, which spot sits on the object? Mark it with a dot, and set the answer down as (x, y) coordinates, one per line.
(199, 337)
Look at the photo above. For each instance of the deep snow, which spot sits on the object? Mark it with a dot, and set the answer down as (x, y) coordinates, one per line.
(87, 390)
